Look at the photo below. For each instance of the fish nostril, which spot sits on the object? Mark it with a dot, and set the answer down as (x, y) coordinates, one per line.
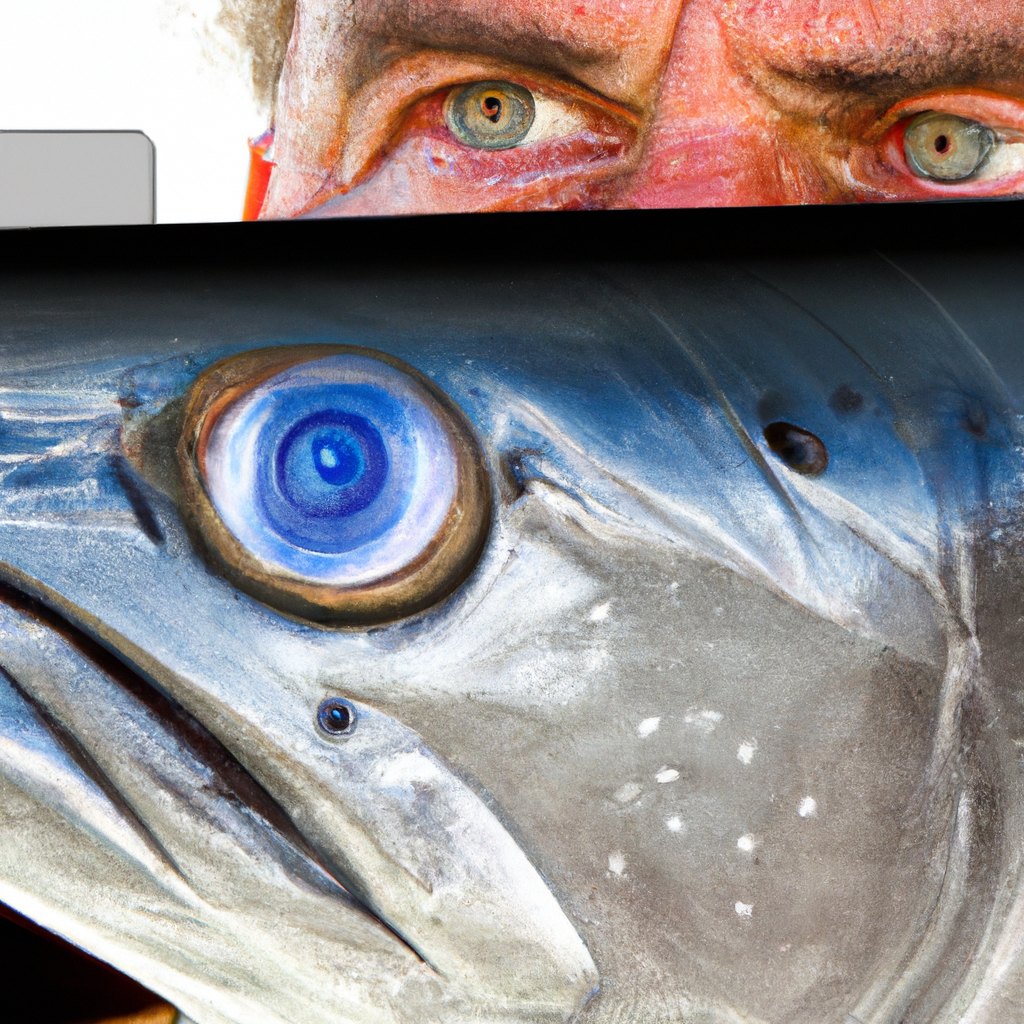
(336, 716)
(798, 448)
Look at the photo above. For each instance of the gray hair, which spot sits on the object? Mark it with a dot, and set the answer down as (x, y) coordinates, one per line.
(262, 29)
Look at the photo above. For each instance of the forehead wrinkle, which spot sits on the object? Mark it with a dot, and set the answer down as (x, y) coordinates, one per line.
(385, 30)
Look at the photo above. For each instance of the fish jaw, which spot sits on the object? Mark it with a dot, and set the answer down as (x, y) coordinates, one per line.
(228, 914)
(426, 854)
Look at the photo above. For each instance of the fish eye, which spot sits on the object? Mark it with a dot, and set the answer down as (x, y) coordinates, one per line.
(334, 483)
(490, 115)
(945, 147)
(799, 449)
(337, 716)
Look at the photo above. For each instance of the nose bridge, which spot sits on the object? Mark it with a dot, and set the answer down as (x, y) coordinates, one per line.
(712, 140)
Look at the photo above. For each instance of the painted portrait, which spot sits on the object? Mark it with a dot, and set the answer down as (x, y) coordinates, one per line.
(402, 106)
(284, 109)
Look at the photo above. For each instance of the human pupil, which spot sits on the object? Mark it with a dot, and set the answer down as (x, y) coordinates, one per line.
(492, 109)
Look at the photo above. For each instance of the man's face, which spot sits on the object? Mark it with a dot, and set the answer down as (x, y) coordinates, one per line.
(408, 106)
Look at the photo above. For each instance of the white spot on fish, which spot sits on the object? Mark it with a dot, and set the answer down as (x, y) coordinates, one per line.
(628, 793)
(600, 612)
(746, 751)
(647, 726)
(746, 843)
(744, 909)
(808, 807)
(616, 863)
(706, 721)
(674, 824)
(667, 775)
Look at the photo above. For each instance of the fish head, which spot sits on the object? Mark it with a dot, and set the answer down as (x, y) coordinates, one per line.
(657, 668)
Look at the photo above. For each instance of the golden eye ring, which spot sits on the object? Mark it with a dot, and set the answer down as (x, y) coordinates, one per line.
(334, 483)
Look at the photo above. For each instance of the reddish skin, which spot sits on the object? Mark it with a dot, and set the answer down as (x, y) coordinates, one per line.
(708, 103)
(260, 169)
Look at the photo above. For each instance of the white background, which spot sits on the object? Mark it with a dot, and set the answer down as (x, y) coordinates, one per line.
(157, 66)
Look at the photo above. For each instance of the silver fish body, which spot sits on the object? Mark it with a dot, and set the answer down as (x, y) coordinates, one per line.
(702, 736)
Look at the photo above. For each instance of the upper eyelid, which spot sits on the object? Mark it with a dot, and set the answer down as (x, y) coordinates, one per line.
(377, 112)
(996, 110)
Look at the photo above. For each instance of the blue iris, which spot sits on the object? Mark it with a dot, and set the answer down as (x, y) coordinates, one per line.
(335, 469)
(325, 480)
(332, 463)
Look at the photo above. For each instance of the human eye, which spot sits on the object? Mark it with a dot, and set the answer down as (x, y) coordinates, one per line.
(949, 145)
(946, 147)
(484, 142)
(333, 483)
(491, 115)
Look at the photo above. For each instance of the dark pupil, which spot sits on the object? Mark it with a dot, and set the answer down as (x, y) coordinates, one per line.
(941, 144)
(492, 109)
(335, 716)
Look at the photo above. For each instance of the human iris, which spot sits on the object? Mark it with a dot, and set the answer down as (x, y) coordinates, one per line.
(333, 477)
(945, 147)
(491, 115)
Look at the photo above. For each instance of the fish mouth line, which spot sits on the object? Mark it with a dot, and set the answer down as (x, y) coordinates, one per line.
(112, 997)
(361, 870)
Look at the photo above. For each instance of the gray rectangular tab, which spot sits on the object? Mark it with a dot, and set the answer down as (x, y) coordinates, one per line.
(52, 179)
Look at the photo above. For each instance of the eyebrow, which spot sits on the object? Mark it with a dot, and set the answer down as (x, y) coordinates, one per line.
(990, 53)
(386, 30)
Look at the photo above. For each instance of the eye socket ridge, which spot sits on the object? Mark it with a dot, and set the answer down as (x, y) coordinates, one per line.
(333, 483)
(379, 113)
